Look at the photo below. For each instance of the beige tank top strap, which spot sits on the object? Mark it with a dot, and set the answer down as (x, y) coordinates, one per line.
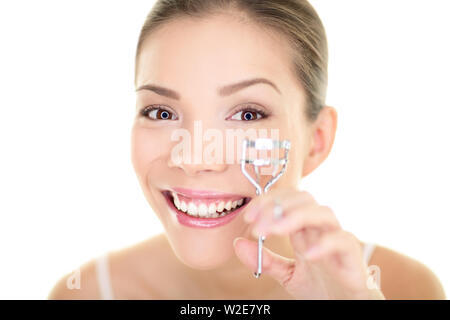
(367, 251)
(103, 277)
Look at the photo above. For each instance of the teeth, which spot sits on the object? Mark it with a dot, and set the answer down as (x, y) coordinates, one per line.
(176, 201)
(192, 209)
(212, 208)
(203, 210)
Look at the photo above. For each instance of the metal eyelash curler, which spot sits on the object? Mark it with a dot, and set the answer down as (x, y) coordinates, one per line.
(264, 144)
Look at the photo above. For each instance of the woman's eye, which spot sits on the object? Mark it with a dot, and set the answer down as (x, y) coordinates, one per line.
(157, 113)
(248, 115)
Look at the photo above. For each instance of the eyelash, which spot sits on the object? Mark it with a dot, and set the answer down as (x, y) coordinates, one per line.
(252, 109)
(146, 111)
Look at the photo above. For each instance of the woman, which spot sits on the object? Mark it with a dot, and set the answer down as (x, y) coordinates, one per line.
(239, 65)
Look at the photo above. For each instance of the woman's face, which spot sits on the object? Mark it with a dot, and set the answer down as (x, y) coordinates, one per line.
(195, 59)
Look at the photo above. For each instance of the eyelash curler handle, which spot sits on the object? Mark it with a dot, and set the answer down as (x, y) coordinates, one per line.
(264, 144)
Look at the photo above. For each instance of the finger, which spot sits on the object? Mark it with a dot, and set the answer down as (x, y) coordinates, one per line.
(278, 267)
(265, 216)
(302, 240)
(266, 201)
(339, 255)
(294, 219)
(343, 246)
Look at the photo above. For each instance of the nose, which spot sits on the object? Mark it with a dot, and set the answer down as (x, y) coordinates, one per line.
(199, 155)
(193, 165)
(193, 170)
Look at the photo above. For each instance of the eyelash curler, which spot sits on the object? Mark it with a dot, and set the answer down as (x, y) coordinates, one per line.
(264, 144)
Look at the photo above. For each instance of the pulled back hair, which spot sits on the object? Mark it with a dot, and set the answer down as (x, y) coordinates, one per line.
(295, 19)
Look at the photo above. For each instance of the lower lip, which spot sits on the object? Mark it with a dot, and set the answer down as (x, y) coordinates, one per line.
(193, 222)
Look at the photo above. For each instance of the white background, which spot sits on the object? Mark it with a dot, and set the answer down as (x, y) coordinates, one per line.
(68, 191)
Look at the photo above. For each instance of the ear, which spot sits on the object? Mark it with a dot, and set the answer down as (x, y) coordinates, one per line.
(323, 132)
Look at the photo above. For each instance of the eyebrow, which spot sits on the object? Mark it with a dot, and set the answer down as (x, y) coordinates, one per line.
(223, 91)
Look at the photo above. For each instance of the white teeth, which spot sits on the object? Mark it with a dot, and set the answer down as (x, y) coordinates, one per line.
(212, 208)
(202, 210)
(192, 208)
(176, 201)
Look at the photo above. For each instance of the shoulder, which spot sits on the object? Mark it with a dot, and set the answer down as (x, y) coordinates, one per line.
(130, 268)
(80, 284)
(155, 269)
(403, 277)
(141, 271)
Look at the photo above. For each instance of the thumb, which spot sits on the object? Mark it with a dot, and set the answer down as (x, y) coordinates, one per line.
(278, 267)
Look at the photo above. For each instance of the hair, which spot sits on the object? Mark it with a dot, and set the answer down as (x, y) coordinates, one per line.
(295, 19)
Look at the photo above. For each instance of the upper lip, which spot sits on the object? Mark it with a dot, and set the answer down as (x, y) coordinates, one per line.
(205, 194)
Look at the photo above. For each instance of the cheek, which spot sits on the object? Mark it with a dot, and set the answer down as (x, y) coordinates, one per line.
(147, 145)
(295, 132)
(297, 156)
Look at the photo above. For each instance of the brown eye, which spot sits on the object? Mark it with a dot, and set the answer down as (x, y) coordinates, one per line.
(248, 115)
(162, 114)
(156, 113)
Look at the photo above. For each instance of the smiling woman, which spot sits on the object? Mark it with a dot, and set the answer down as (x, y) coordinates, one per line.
(237, 64)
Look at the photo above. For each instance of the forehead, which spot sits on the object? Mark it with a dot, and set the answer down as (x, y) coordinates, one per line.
(211, 52)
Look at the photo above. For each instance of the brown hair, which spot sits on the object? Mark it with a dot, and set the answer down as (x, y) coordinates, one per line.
(295, 19)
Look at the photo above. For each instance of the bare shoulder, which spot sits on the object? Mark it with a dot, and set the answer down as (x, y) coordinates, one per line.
(141, 270)
(403, 277)
(133, 274)
(80, 284)
(144, 271)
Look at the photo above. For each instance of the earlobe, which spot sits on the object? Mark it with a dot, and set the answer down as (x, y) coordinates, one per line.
(322, 139)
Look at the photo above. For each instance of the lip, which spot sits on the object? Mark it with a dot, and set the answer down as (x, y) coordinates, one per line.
(193, 222)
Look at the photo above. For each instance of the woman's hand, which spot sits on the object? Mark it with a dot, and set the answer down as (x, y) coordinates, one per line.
(328, 260)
